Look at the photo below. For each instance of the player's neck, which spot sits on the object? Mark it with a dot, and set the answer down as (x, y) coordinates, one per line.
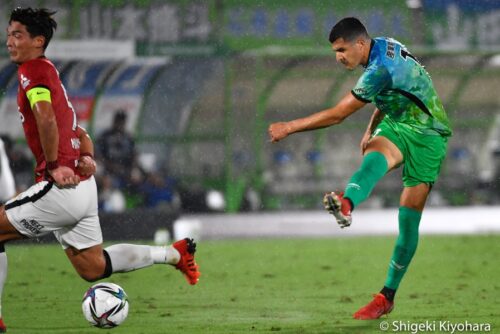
(366, 52)
(34, 56)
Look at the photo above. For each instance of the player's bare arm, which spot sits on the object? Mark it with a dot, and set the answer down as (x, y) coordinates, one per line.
(86, 162)
(328, 117)
(49, 138)
(375, 120)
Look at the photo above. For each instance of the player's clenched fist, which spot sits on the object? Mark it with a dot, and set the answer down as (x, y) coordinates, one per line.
(64, 177)
(278, 131)
(86, 165)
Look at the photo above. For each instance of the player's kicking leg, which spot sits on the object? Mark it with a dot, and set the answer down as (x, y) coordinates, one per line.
(380, 157)
(129, 257)
(82, 242)
(95, 263)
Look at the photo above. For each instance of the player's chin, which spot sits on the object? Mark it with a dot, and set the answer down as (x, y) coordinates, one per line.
(15, 59)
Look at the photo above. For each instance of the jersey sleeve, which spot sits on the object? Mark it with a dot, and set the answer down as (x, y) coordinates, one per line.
(35, 74)
(372, 81)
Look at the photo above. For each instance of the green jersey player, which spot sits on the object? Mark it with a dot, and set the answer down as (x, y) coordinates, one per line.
(409, 128)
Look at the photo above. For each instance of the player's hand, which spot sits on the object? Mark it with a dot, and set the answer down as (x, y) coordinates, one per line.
(64, 177)
(278, 131)
(364, 142)
(86, 165)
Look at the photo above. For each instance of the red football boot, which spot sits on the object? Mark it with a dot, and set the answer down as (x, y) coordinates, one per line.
(3, 329)
(186, 248)
(339, 207)
(375, 309)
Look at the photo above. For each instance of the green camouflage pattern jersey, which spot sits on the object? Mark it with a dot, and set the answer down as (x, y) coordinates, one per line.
(400, 87)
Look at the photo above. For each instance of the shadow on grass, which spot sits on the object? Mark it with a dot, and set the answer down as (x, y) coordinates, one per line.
(54, 330)
(358, 327)
(353, 328)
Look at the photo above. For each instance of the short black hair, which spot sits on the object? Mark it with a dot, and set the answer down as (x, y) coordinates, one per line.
(38, 22)
(348, 28)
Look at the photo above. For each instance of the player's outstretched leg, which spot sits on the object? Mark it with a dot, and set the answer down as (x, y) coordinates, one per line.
(128, 257)
(3, 329)
(186, 264)
(374, 309)
(339, 207)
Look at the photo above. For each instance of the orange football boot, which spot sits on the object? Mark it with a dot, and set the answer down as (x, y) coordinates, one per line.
(186, 248)
(374, 309)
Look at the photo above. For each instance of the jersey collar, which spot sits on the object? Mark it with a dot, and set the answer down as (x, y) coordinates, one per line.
(372, 43)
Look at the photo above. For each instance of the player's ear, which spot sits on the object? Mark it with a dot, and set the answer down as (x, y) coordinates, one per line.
(360, 41)
(39, 41)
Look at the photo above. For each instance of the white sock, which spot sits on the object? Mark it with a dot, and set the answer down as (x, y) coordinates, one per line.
(128, 257)
(165, 254)
(3, 276)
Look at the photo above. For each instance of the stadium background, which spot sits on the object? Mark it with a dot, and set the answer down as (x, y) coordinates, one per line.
(201, 80)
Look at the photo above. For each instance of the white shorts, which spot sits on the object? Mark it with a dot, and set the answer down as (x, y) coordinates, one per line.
(71, 214)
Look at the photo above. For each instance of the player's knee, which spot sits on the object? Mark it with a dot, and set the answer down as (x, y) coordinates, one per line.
(97, 270)
(92, 274)
(88, 278)
(92, 266)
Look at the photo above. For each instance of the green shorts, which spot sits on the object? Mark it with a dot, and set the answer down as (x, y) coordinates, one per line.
(422, 154)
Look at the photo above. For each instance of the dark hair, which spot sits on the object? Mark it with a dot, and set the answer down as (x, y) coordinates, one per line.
(348, 28)
(120, 116)
(38, 22)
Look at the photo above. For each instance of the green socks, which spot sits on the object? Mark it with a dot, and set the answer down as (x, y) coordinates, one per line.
(406, 245)
(361, 184)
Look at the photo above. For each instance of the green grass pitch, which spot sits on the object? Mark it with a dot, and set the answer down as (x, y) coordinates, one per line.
(266, 286)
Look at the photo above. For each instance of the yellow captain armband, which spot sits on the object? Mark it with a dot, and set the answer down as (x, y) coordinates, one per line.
(38, 94)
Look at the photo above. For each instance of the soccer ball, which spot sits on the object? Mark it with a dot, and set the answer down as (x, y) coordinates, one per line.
(105, 305)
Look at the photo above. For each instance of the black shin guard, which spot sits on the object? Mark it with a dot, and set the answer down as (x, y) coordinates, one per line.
(108, 270)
